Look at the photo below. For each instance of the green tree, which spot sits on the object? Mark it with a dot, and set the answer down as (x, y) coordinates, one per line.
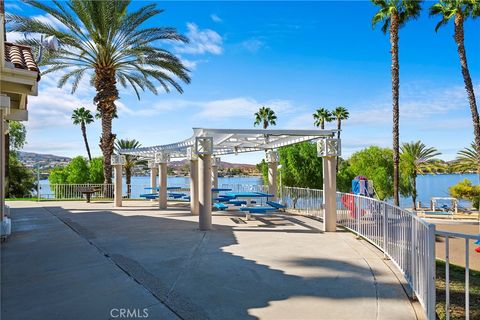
(95, 170)
(77, 171)
(82, 117)
(265, 116)
(467, 191)
(340, 114)
(22, 181)
(321, 116)
(344, 176)
(467, 160)
(459, 11)
(377, 165)
(393, 14)
(130, 160)
(15, 140)
(301, 167)
(416, 159)
(104, 40)
(17, 135)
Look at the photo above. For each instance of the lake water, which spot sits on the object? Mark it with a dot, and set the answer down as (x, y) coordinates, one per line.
(428, 185)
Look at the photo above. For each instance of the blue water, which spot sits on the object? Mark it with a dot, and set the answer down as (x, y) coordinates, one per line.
(428, 185)
(436, 185)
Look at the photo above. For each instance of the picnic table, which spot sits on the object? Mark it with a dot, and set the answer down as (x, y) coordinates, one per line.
(88, 191)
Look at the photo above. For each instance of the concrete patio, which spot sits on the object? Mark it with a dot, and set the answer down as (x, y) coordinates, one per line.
(72, 260)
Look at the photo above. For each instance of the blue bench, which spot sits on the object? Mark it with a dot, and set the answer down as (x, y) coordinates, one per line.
(151, 197)
(220, 206)
(221, 199)
(257, 209)
(186, 198)
(226, 196)
(237, 202)
(276, 205)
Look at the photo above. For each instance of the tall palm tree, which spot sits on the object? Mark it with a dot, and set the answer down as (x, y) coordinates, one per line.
(418, 160)
(265, 116)
(467, 159)
(130, 160)
(393, 14)
(82, 117)
(107, 42)
(321, 116)
(339, 114)
(459, 11)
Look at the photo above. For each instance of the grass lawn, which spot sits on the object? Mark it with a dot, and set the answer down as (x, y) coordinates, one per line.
(457, 292)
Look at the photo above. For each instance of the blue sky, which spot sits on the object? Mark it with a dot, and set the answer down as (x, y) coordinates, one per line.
(291, 56)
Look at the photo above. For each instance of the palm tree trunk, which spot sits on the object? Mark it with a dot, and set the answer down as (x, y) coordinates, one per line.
(339, 127)
(459, 40)
(84, 133)
(322, 125)
(107, 93)
(265, 124)
(414, 191)
(128, 181)
(395, 100)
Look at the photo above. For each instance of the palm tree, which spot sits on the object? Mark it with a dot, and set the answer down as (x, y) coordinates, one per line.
(130, 160)
(82, 117)
(394, 14)
(418, 160)
(339, 114)
(467, 160)
(460, 10)
(321, 116)
(105, 41)
(265, 116)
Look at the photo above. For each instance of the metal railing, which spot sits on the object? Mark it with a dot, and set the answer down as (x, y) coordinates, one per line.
(306, 200)
(403, 237)
(73, 191)
(468, 240)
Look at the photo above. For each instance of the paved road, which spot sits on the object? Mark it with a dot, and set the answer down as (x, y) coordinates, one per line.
(70, 260)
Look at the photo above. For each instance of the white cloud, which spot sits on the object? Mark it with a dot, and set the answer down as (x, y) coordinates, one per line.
(215, 18)
(253, 45)
(53, 106)
(201, 41)
(241, 107)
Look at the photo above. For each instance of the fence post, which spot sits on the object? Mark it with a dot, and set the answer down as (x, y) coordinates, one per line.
(431, 293)
(357, 213)
(385, 228)
(413, 254)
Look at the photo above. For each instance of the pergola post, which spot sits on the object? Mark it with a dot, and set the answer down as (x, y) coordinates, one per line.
(3, 160)
(193, 158)
(204, 149)
(329, 149)
(153, 176)
(272, 158)
(162, 158)
(117, 162)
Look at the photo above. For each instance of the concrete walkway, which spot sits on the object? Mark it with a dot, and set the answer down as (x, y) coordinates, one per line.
(71, 260)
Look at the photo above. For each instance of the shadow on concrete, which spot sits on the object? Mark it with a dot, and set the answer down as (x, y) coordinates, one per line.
(190, 272)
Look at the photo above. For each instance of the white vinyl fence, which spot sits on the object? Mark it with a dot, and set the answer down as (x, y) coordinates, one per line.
(403, 237)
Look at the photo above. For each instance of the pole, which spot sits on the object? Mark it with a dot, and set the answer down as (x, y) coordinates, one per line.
(205, 191)
(2, 165)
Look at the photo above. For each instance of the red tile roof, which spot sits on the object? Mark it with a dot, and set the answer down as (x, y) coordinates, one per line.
(20, 56)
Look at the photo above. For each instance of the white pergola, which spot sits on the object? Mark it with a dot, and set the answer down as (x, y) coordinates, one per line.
(202, 149)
